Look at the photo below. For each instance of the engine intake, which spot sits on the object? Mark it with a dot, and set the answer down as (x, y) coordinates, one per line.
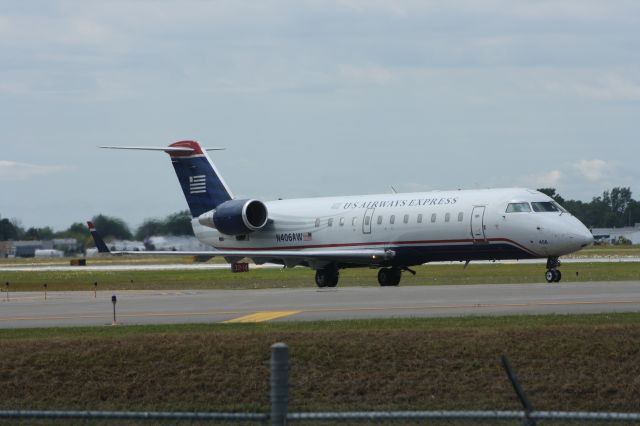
(236, 217)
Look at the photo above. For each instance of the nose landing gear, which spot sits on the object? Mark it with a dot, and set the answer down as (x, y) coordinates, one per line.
(553, 275)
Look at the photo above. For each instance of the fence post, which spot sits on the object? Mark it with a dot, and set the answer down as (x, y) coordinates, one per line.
(517, 387)
(279, 384)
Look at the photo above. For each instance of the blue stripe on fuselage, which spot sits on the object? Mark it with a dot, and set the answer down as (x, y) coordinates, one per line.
(416, 255)
(202, 188)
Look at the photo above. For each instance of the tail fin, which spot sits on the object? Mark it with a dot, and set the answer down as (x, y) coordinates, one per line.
(97, 239)
(202, 185)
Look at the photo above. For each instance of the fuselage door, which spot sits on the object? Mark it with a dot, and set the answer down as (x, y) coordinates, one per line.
(366, 221)
(477, 224)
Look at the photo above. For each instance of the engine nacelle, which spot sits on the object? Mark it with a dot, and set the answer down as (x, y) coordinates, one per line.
(236, 217)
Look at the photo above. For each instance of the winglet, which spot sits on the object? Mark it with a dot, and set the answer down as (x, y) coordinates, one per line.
(97, 239)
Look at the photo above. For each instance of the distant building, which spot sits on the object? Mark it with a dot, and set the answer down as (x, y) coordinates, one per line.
(29, 248)
(46, 253)
(612, 235)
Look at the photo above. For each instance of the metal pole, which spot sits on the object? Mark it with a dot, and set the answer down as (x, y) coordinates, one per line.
(279, 384)
(113, 301)
(7, 285)
(522, 396)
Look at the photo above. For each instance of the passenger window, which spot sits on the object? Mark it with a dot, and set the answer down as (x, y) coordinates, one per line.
(354, 221)
(460, 217)
(367, 220)
(433, 218)
(392, 219)
(342, 221)
(379, 220)
(420, 218)
(447, 217)
(317, 222)
(406, 218)
(518, 208)
(330, 222)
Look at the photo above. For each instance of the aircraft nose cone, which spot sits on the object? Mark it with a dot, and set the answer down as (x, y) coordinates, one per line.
(587, 239)
(583, 237)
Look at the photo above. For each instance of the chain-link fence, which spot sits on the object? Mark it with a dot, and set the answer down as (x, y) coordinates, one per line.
(280, 415)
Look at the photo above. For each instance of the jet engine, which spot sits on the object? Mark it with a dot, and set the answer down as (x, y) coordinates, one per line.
(236, 217)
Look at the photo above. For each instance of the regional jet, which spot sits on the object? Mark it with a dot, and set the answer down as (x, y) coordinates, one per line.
(392, 232)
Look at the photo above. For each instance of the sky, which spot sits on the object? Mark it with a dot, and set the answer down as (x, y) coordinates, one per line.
(312, 98)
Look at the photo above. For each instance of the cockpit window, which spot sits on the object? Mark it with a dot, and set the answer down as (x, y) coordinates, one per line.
(518, 208)
(545, 206)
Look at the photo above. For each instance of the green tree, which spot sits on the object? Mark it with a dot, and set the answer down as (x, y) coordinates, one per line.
(151, 227)
(77, 228)
(8, 230)
(551, 192)
(179, 223)
(112, 227)
(33, 233)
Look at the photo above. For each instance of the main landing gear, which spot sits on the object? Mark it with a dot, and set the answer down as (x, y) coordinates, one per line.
(389, 277)
(327, 277)
(553, 275)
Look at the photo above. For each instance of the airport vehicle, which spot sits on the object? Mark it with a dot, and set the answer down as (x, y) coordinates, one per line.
(391, 232)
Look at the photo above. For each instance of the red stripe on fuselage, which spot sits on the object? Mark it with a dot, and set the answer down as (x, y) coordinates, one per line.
(380, 243)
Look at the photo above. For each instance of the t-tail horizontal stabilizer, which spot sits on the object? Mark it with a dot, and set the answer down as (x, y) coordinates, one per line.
(97, 239)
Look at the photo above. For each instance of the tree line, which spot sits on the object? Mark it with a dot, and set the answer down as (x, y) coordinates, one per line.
(615, 208)
(110, 227)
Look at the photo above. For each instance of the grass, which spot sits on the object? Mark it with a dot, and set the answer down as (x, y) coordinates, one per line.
(302, 277)
(586, 362)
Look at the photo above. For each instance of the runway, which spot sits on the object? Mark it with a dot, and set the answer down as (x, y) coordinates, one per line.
(30, 309)
(57, 267)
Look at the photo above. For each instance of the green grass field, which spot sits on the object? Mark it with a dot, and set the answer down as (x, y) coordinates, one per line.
(586, 362)
(303, 277)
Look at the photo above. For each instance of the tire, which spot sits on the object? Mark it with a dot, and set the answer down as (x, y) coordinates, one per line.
(396, 274)
(327, 278)
(321, 278)
(333, 279)
(384, 277)
(550, 275)
(558, 276)
(389, 277)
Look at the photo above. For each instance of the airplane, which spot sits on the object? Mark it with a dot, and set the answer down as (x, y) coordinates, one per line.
(392, 232)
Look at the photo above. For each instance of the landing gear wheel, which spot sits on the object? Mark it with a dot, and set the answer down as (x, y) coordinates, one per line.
(389, 277)
(550, 275)
(327, 277)
(558, 276)
(553, 276)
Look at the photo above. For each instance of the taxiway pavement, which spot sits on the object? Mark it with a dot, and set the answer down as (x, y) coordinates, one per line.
(30, 309)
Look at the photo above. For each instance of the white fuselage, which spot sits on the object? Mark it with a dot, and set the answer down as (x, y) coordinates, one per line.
(418, 227)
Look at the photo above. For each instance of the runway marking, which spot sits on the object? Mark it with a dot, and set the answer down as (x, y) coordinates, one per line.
(262, 316)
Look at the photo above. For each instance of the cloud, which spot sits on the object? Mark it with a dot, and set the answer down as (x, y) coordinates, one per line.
(592, 170)
(12, 170)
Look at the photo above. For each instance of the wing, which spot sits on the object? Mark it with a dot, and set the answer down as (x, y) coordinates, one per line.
(288, 258)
